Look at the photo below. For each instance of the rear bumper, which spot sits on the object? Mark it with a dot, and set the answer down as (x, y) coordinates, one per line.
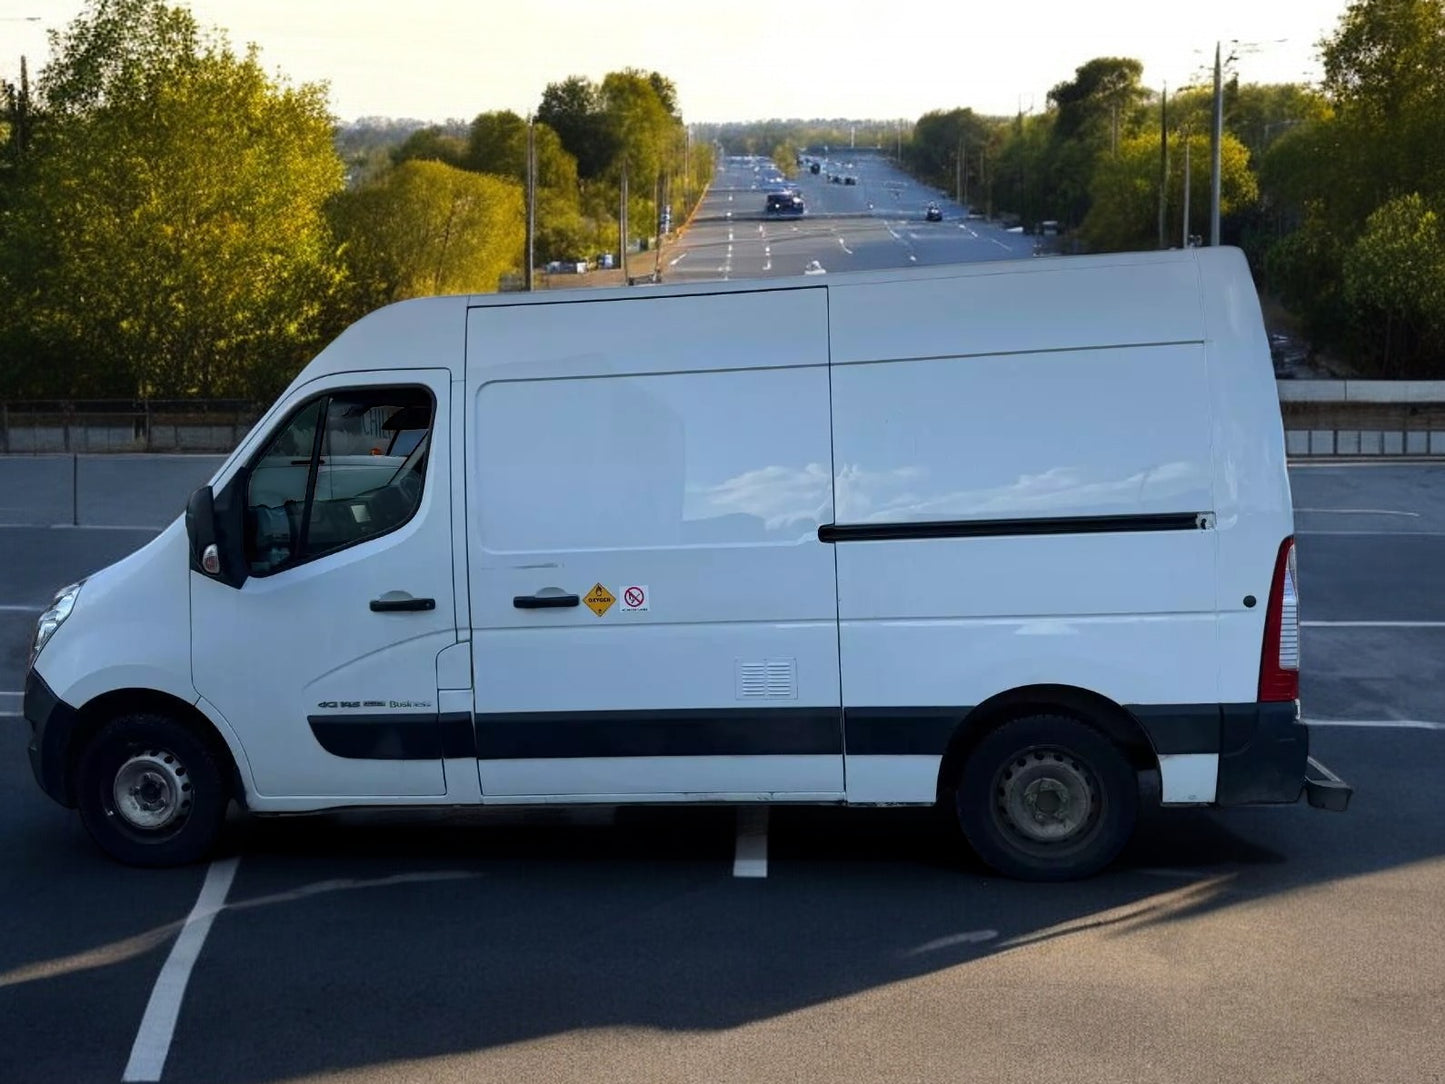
(52, 723)
(1264, 759)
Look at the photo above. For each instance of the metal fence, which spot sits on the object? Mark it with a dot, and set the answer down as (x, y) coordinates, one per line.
(79, 426)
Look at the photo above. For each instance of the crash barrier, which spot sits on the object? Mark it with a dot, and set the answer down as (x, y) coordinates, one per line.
(99, 490)
(1321, 418)
(1363, 417)
(80, 427)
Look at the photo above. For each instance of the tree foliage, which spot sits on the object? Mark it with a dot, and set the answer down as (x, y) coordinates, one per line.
(427, 228)
(1124, 214)
(166, 235)
(1364, 178)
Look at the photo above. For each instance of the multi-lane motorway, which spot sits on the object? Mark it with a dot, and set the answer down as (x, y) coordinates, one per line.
(877, 222)
(1269, 945)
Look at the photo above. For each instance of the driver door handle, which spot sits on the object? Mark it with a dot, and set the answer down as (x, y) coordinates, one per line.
(402, 605)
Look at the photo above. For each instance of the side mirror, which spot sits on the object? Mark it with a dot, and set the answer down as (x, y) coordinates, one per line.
(215, 541)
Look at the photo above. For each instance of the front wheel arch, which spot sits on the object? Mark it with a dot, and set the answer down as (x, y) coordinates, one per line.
(93, 717)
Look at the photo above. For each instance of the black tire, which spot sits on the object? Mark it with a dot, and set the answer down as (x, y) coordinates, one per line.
(1047, 798)
(176, 783)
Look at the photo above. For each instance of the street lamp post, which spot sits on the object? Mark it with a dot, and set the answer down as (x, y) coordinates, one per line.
(1215, 181)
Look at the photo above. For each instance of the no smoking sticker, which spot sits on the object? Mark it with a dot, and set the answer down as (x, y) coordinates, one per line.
(636, 599)
(599, 600)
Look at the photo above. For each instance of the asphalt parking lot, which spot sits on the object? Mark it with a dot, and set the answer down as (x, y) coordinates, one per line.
(829, 945)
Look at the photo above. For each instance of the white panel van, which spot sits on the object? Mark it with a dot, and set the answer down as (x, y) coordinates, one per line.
(892, 538)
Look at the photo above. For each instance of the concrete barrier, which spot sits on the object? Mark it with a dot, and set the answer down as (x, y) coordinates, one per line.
(1363, 418)
(99, 490)
(1361, 391)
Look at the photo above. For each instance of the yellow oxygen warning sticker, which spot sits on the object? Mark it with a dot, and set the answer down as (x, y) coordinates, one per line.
(599, 600)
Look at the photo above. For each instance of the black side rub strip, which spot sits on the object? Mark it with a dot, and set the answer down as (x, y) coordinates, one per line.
(999, 528)
(423, 736)
(669, 733)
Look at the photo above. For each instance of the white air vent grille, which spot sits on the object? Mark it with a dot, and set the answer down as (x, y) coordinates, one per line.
(766, 679)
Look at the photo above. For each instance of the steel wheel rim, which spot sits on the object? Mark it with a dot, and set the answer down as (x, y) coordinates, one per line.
(152, 791)
(1047, 797)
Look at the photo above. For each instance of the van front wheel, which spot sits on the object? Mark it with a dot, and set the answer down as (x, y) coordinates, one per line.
(150, 792)
(1047, 798)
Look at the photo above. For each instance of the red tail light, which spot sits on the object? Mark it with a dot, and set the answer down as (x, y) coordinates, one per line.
(1279, 659)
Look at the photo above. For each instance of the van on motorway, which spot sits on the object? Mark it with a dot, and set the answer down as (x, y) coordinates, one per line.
(884, 538)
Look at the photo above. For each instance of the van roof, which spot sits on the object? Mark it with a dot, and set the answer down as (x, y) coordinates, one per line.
(855, 278)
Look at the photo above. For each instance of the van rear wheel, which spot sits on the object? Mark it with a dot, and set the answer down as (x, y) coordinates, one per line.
(151, 792)
(1047, 798)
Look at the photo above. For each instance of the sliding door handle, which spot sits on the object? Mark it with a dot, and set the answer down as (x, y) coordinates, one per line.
(544, 602)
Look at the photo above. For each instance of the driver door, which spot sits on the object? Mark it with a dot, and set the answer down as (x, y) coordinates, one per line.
(324, 659)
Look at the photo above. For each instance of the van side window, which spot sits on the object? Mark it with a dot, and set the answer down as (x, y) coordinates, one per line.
(347, 467)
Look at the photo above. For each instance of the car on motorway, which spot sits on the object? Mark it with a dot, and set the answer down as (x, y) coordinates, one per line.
(934, 213)
(850, 180)
(1007, 538)
(787, 202)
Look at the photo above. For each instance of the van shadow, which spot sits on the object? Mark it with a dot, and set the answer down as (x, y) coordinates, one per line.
(531, 927)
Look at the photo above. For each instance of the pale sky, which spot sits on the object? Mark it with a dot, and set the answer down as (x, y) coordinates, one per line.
(739, 60)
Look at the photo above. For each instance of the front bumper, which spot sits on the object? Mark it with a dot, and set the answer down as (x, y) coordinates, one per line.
(52, 724)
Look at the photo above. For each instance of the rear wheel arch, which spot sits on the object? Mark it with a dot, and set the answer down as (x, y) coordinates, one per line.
(93, 717)
(1083, 705)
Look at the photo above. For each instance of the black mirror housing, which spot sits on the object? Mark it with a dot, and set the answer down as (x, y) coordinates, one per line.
(214, 526)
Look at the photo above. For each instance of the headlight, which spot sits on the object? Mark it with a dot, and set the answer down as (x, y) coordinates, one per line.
(54, 617)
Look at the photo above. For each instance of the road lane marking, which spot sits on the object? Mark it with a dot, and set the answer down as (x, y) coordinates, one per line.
(1381, 724)
(1377, 534)
(751, 859)
(677, 260)
(20, 608)
(158, 1025)
(1360, 511)
(968, 937)
(6, 709)
(1372, 624)
(844, 246)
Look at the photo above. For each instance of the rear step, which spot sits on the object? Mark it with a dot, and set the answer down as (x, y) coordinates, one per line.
(1324, 789)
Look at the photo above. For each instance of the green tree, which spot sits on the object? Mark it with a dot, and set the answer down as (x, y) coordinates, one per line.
(1394, 278)
(167, 234)
(1124, 211)
(573, 109)
(1094, 111)
(498, 145)
(432, 144)
(940, 139)
(426, 228)
(1376, 144)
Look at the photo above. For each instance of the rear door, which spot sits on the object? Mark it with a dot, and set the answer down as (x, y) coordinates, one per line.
(653, 614)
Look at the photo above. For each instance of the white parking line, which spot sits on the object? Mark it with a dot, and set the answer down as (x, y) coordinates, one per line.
(752, 851)
(1381, 724)
(10, 705)
(158, 1025)
(1372, 624)
(1360, 511)
(20, 609)
(77, 527)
